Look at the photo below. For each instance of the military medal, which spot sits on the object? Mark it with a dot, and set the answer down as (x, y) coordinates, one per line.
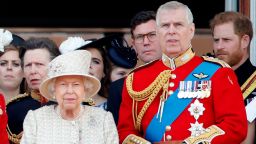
(181, 89)
(1, 111)
(196, 129)
(181, 94)
(204, 88)
(196, 109)
(189, 89)
(209, 87)
(198, 89)
(185, 95)
(195, 89)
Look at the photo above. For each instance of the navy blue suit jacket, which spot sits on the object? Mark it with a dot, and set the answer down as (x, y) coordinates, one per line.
(115, 98)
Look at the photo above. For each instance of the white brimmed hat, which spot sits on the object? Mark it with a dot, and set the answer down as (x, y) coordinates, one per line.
(72, 63)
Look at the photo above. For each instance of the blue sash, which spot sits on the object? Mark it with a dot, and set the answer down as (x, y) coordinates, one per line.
(174, 106)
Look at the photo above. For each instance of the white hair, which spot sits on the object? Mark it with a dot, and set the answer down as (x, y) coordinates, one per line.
(173, 5)
(51, 88)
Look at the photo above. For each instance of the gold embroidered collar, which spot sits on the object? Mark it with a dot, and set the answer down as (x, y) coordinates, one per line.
(175, 62)
(37, 96)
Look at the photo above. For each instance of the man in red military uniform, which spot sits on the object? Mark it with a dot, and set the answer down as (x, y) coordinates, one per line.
(182, 96)
(3, 121)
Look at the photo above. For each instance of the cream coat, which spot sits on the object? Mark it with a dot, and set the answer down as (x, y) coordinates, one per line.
(45, 126)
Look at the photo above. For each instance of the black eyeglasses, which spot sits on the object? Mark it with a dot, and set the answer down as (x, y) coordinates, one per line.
(140, 37)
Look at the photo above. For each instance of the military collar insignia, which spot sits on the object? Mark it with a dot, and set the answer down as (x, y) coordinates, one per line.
(180, 60)
(38, 97)
(16, 98)
(200, 75)
(35, 95)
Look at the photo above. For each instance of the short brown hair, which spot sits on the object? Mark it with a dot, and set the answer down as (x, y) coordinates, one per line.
(242, 24)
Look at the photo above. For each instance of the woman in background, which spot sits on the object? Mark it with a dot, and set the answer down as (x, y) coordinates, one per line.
(11, 73)
(123, 58)
(118, 72)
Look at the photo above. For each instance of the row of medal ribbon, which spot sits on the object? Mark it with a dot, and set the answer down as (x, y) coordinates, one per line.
(194, 89)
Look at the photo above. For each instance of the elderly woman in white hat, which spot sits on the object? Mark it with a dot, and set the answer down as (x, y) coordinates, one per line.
(69, 121)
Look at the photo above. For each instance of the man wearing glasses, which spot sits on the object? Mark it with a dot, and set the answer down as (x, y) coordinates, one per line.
(146, 44)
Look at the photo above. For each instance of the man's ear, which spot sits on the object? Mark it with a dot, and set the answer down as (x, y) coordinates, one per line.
(245, 41)
(133, 44)
(192, 30)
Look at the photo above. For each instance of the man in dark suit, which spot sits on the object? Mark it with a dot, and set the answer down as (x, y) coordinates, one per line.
(145, 42)
(232, 33)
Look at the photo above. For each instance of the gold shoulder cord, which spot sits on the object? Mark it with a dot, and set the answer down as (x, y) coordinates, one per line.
(17, 97)
(13, 137)
(148, 93)
(249, 85)
(216, 60)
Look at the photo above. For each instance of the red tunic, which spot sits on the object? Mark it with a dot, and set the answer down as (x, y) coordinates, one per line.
(223, 108)
(3, 122)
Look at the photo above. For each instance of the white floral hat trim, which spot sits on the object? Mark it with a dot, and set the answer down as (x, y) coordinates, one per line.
(72, 63)
(5, 38)
(71, 44)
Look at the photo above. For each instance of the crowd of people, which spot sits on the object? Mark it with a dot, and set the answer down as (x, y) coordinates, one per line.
(94, 90)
